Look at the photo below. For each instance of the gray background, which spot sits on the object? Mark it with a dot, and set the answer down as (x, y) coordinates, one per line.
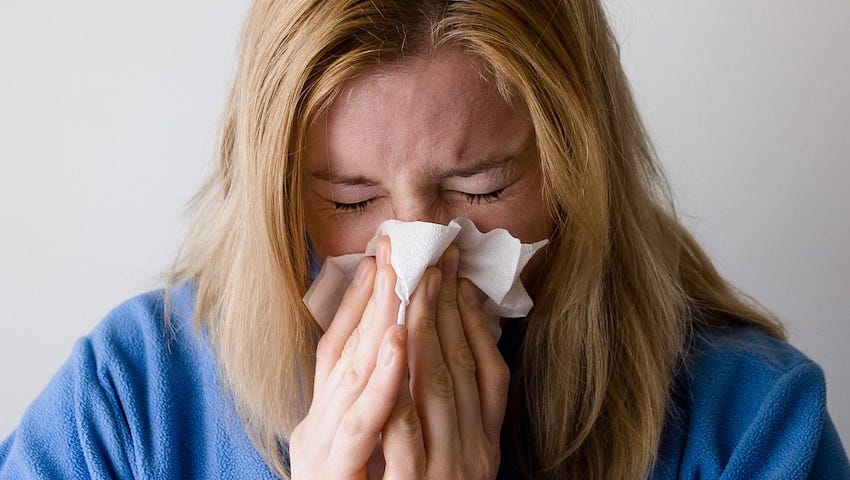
(108, 114)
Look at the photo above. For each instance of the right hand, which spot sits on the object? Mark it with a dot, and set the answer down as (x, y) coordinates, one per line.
(361, 367)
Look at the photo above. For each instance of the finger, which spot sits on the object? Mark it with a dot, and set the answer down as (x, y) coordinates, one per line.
(347, 317)
(380, 314)
(382, 308)
(493, 375)
(348, 377)
(431, 382)
(456, 352)
(401, 439)
(357, 432)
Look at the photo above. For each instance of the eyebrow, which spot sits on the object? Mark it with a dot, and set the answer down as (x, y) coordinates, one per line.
(463, 172)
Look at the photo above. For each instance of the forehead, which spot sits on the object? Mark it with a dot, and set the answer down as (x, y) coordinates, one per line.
(442, 109)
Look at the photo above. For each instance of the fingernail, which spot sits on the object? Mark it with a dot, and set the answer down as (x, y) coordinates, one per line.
(383, 254)
(470, 293)
(450, 260)
(385, 281)
(433, 288)
(362, 273)
(380, 282)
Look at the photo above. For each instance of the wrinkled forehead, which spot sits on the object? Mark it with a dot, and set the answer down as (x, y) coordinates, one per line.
(445, 106)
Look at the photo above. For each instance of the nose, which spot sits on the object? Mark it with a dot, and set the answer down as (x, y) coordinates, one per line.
(421, 210)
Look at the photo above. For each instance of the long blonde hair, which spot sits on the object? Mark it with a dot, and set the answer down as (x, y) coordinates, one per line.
(626, 282)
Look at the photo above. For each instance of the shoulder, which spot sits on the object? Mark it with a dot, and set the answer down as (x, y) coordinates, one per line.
(747, 405)
(745, 363)
(148, 346)
(743, 345)
(165, 379)
(139, 396)
(151, 320)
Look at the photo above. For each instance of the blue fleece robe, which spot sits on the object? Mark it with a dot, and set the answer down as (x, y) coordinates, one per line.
(137, 400)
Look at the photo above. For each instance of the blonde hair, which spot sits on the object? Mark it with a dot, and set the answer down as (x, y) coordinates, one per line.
(626, 282)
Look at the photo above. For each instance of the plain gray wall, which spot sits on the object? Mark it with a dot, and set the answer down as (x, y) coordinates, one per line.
(108, 114)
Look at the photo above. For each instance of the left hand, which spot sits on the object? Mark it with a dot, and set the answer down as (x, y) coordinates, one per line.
(447, 424)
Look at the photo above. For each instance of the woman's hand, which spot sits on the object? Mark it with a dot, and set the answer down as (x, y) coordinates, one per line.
(447, 424)
(442, 421)
(360, 369)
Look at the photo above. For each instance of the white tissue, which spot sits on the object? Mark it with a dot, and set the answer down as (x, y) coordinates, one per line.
(493, 261)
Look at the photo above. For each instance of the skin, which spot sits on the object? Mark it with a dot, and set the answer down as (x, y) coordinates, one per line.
(429, 140)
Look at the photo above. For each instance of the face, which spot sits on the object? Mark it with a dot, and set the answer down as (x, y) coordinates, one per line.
(430, 140)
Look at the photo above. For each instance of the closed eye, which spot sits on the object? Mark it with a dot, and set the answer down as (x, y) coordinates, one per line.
(477, 198)
(472, 198)
(358, 207)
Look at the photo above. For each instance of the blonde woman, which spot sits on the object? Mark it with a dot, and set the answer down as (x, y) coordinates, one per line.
(637, 360)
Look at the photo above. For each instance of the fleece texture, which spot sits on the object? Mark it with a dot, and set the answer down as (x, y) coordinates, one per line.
(139, 398)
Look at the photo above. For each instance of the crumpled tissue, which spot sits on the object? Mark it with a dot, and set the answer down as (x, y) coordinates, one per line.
(493, 261)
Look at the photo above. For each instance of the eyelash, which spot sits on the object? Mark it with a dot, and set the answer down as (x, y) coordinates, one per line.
(477, 198)
(472, 198)
(358, 207)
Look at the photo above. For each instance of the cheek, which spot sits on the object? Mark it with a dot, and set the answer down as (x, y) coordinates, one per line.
(523, 216)
(529, 228)
(333, 236)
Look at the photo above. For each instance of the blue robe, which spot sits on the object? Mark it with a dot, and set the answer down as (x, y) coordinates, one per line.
(138, 400)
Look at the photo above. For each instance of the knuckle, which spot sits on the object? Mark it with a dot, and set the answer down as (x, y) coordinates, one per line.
(448, 294)
(441, 384)
(352, 378)
(407, 422)
(300, 443)
(325, 350)
(425, 326)
(353, 423)
(487, 472)
(351, 344)
(462, 362)
(492, 458)
(500, 379)
(408, 466)
(483, 463)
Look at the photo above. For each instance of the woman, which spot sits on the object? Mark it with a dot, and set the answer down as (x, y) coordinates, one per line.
(637, 360)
